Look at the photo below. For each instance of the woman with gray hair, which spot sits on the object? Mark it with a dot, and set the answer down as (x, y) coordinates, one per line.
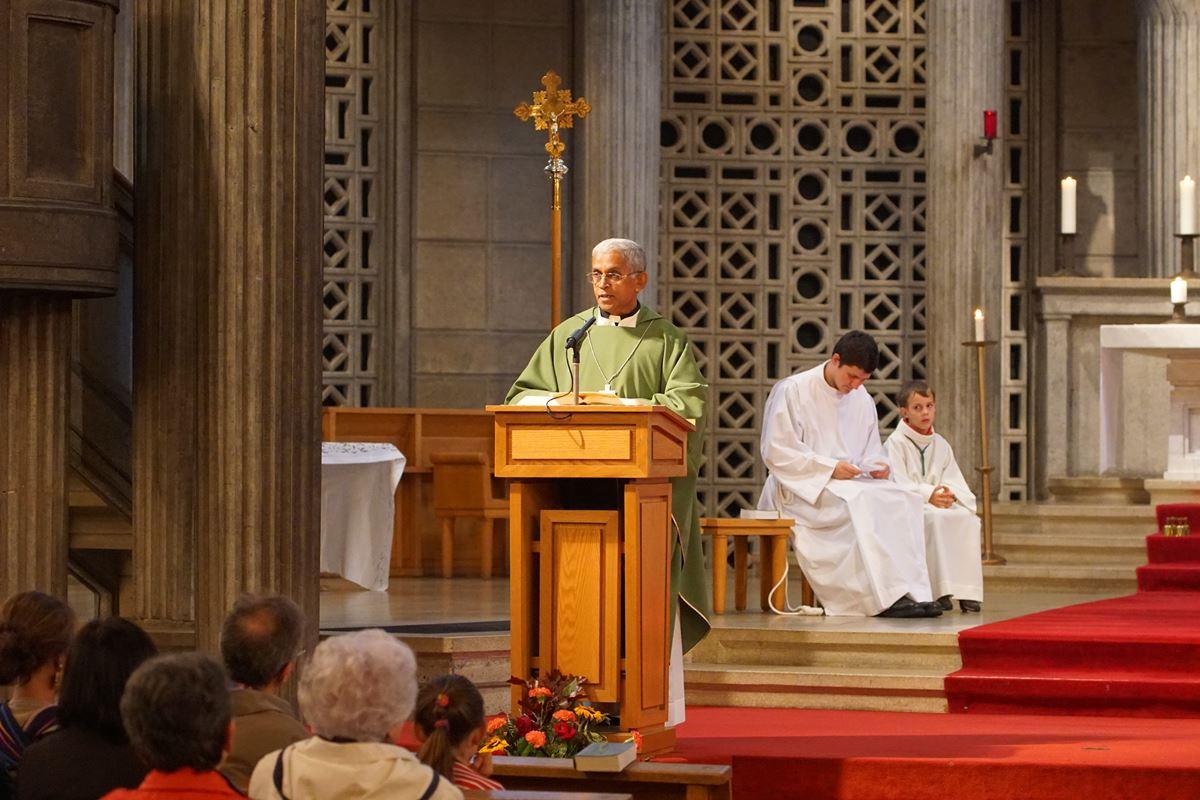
(355, 694)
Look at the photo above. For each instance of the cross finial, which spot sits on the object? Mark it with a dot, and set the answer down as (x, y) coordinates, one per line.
(553, 109)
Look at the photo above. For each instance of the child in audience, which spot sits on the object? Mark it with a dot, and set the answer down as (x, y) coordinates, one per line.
(923, 461)
(449, 723)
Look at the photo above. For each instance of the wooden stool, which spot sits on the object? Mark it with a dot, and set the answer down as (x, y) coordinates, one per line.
(773, 542)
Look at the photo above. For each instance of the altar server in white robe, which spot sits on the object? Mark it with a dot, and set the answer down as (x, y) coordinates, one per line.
(923, 461)
(858, 535)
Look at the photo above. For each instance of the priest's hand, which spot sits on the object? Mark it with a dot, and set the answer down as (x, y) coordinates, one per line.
(942, 497)
(844, 471)
(881, 472)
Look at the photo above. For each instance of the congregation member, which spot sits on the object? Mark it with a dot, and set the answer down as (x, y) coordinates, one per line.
(35, 631)
(177, 714)
(858, 535)
(90, 754)
(632, 353)
(923, 461)
(356, 693)
(260, 640)
(450, 724)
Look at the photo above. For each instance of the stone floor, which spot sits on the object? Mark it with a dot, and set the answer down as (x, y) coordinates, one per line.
(431, 600)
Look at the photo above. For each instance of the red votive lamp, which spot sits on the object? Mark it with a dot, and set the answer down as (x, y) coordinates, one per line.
(989, 125)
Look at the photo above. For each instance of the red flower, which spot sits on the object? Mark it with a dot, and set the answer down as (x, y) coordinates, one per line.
(524, 724)
(564, 730)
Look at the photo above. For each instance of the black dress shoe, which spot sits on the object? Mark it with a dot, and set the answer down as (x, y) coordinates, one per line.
(904, 608)
(930, 609)
(945, 602)
(970, 606)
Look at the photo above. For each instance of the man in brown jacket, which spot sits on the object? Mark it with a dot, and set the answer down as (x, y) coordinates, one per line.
(260, 641)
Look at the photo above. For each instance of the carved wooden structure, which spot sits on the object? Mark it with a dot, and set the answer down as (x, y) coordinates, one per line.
(590, 548)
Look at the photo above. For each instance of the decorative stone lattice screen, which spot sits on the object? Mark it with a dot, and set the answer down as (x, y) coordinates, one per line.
(793, 145)
(1015, 345)
(354, 201)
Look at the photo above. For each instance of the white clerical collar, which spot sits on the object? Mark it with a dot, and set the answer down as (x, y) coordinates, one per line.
(920, 439)
(631, 321)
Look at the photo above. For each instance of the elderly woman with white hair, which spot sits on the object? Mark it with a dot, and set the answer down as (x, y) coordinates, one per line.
(355, 694)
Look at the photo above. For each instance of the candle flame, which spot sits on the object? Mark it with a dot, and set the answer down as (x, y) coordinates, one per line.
(979, 313)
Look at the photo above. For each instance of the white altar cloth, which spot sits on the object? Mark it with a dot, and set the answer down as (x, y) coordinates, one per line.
(1180, 344)
(358, 505)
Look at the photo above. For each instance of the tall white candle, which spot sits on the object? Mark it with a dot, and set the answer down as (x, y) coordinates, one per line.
(979, 337)
(1179, 291)
(1068, 206)
(1187, 205)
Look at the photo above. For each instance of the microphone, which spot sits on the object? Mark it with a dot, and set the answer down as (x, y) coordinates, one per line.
(576, 338)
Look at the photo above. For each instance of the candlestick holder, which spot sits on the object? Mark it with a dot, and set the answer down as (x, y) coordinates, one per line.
(990, 556)
(1066, 257)
(1187, 256)
(1180, 315)
(984, 146)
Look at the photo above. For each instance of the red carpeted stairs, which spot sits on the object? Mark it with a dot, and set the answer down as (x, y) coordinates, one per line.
(1131, 656)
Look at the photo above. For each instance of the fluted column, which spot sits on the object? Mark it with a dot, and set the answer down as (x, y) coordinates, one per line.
(35, 352)
(227, 333)
(964, 244)
(620, 74)
(1168, 122)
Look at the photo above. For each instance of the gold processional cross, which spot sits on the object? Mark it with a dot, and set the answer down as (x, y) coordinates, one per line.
(552, 110)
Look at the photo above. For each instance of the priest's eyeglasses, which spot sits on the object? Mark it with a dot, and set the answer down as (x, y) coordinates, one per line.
(600, 278)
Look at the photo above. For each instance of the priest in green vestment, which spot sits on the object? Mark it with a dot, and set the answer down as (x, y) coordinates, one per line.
(635, 352)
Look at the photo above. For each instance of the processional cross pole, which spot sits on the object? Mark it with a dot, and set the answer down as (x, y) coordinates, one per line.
(551, 111)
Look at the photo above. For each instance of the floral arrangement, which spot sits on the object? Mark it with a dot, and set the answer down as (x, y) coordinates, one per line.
(555, 720)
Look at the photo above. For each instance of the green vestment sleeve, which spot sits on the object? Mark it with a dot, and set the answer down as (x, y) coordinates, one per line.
(651, 361)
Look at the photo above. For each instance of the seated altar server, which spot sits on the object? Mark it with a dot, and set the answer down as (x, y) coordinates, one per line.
(632, 354)
(858, 536)
(923, 461)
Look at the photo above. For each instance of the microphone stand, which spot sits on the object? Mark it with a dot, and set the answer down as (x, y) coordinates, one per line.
(575, 373)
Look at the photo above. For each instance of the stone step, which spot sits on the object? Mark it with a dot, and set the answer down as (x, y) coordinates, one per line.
(1087, 520)
(856, 688)
(1099, 580)
(828, 649)
(1039, 548)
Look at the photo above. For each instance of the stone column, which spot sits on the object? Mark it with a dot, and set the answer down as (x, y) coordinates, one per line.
(35, 351)
(1168, 122)
(620, 73)
(964, 240)
(227, 333)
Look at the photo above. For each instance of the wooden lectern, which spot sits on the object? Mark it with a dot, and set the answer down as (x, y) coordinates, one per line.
(590, 538)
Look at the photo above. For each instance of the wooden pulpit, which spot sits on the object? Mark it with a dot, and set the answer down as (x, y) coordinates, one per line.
(590, 538)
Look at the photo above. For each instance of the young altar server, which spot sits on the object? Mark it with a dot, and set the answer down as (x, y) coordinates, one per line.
(923, 461)
(858, 536)
(632, 353)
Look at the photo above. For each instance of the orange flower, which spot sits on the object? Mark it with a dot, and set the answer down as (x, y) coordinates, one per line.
(636, 738)
(564, 716)
(536, 738)
(496, 723)
(540, 691)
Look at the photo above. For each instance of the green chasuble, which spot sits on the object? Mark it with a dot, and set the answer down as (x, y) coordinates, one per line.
(663, 371)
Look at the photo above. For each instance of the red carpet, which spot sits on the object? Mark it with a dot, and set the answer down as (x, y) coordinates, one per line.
(1131, 656)
(868, 755)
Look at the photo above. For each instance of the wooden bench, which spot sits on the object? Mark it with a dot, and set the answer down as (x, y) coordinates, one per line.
(641, 779)
(507, 795)
(772, 563)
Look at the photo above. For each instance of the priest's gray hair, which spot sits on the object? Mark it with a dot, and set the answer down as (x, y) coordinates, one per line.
(358, 686)
(630, 250)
